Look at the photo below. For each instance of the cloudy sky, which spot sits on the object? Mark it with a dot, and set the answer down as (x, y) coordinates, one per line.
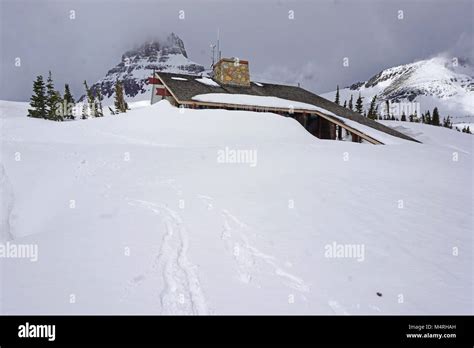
(285, 41)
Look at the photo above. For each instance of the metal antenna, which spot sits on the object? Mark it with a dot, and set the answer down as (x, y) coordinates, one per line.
(213, 47)
(218, 45)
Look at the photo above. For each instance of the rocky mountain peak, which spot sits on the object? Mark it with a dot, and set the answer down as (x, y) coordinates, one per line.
(137, 65)
(171, 45)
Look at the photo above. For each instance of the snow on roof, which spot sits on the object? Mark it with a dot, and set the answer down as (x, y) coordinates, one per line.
(383, 137)
(179, 78)
(208, 81)
(275, 102)
(254, 100)
(272, 95)
(258, 84)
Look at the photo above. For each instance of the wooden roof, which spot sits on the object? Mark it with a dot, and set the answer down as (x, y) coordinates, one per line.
(185, 90)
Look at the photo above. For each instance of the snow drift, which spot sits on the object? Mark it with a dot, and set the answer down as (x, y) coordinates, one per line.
(135, 214)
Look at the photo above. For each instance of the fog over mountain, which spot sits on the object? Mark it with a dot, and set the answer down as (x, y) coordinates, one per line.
(285, 41)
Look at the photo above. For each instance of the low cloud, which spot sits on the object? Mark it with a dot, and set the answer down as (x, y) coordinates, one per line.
(309, 74)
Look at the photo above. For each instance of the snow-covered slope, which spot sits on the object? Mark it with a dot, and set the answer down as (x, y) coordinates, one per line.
(137, 66)
(138, 213)
(434, 136)
(437, 82)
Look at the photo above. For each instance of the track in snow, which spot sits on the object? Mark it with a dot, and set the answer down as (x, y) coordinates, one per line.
(246, 255)
(182, 292)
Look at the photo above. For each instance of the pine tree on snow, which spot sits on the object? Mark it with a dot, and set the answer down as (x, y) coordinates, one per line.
(350, 104)
(98, 102)
(372, 114)
(387, 107)
(337, 95)
(68, 103)
(428, 117)
(59, 113)
(120, 103)
(447, 123)
(38, 99)
(91, 102)
(85, 107)
(53, 101)
(88, 107)
(435, 118)
(359, 105)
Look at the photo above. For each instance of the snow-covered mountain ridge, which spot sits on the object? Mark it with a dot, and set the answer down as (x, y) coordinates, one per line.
(442, 82)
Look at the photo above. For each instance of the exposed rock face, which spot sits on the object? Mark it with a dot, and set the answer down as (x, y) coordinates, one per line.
(137, 66)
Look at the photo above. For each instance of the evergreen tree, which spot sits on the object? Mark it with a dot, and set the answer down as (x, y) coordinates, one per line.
(85, 110)
(350, 104)
(98, 102)
(118, 97)
(91, 101)
(53, 100)
(38, 99)
(404, 118)
(89, 105)
(359, 105)
(428, 117)
(345, 104)
(415, 117)
(59, 112)
(85, 102)
(449, 123)
(337, 95)
(372, 113)
(120, 103)
(435, 118)
(68, 102)
(387, 107)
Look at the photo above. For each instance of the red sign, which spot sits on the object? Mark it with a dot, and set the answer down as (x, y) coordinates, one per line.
(162, 91)
(153, 81)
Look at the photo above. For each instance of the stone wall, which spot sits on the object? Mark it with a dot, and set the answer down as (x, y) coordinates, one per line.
(232, 72)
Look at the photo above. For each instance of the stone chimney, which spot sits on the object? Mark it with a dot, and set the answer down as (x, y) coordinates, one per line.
(232, 71)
